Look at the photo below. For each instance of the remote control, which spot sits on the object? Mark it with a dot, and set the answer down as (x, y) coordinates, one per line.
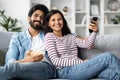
(93, 19)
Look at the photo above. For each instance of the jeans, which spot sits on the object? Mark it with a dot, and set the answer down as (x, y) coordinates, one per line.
(27, 71)
(105, 66)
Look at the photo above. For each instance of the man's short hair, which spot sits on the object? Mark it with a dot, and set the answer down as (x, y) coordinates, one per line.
(40, 7)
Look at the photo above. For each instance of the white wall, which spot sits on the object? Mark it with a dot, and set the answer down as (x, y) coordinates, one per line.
(16, 9)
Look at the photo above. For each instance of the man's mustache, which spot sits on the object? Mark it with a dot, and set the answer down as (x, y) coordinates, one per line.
(37, 21)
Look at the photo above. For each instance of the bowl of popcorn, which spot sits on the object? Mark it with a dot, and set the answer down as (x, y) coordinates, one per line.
(33, 52)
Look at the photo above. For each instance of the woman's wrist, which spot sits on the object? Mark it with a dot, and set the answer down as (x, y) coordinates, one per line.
(96, 31)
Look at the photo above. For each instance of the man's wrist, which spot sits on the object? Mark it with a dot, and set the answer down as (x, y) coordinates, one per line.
(22, 60)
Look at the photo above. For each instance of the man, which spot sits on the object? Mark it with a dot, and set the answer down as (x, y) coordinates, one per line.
(21, 58)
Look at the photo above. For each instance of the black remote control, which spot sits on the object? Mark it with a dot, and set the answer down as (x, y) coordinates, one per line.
(93, 19)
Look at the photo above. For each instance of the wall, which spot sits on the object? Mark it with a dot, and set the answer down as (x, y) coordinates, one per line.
(16, 9)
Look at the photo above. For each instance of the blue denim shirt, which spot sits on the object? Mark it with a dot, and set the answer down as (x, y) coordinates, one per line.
(19, 44)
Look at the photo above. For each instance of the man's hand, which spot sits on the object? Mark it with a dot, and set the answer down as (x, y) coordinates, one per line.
(31, 58)
(37, 56)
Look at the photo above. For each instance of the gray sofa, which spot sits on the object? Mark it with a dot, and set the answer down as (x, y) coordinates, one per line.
(105, 43)
(4, 42)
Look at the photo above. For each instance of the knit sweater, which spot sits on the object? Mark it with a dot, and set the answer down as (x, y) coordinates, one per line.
(63, 51)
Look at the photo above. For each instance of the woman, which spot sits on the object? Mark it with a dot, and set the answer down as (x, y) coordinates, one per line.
(62, 50)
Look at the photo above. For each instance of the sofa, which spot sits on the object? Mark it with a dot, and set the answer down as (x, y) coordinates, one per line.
(4, 42)
(103, 43)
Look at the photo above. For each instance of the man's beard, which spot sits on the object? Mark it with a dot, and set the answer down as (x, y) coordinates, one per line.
(36, 27)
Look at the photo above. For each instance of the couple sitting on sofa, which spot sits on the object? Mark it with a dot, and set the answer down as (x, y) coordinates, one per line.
(23, 59)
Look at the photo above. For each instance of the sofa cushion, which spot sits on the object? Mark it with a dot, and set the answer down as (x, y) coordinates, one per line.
(107, 42)
(87, 54)
(5, 39)
(103, 43)
(116, 53)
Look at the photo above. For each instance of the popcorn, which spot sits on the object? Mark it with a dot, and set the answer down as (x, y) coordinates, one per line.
(36, 53)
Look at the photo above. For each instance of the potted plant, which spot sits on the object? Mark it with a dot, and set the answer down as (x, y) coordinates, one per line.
(8, 23)
(116, 20)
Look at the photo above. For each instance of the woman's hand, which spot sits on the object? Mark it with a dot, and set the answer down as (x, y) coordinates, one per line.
(94, 26)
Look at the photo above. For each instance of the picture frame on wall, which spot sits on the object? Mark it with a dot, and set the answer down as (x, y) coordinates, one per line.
(94, 10)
